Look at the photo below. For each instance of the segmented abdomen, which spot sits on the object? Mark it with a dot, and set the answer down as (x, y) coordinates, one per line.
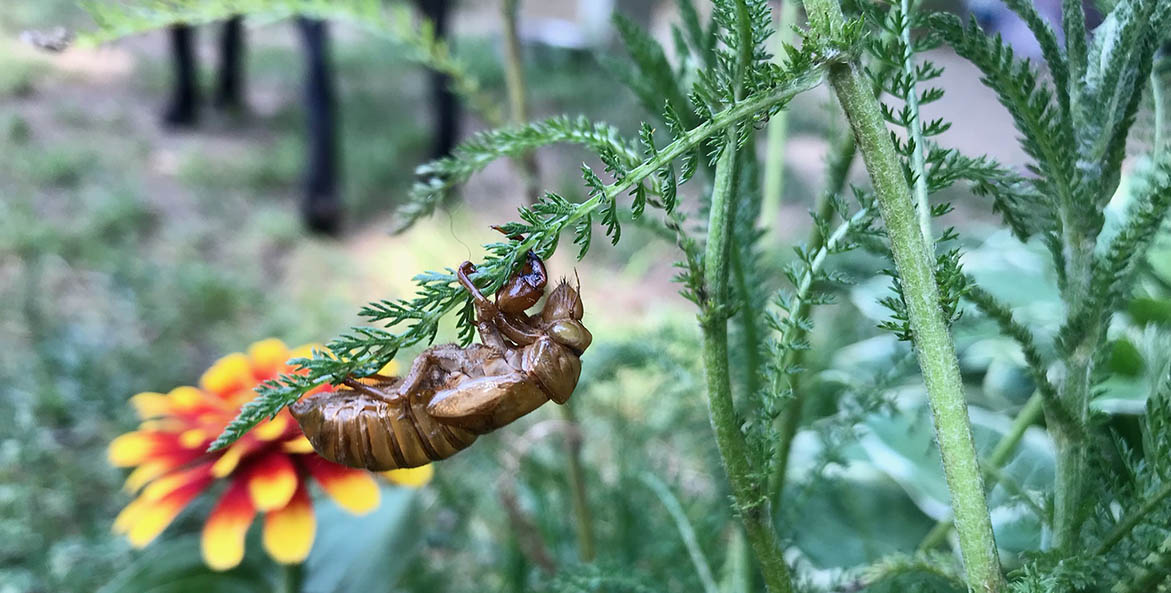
(363, 431)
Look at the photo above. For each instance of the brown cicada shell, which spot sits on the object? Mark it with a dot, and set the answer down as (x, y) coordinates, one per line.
(451, 395)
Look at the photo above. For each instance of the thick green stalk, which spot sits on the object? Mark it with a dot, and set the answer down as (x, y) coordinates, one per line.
(1075, 390)
(932, 337)
(778, 131)
(1025, 418)
(747, 491)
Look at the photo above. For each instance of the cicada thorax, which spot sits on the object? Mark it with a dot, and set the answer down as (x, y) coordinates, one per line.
(362, 430)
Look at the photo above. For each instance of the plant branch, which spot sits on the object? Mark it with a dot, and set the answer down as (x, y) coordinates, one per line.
(932, 338)
(1153, 571)
(1125, 526)
(778, 130)
(686, 531)
(518, 112)
(915, 129)
(837, 172)
(371, 348)
(791, 415)
(747, 492)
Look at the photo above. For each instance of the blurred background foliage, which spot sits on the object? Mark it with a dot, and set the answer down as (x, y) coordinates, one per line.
(131, 258)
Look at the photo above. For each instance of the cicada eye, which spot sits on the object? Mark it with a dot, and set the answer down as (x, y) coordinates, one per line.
(571, 333)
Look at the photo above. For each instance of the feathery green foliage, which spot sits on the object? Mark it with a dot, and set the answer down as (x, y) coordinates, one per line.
(366, 349)
(1109, 519)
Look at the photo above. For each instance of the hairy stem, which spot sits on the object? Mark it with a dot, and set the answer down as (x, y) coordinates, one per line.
(778, 130)
(583, 519)
(837, 172)
(518, 110)
(1075, 392)
(747, 492)
(1025, 418)
(932, 338)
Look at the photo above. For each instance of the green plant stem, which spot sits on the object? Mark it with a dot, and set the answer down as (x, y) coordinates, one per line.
(1075, 394)
(918, 165)
(778, 131)
(837, 172)
(747, 492)
(932, 338)
(1157, 100)
(749, 325)
(1025, 418)
(686, 531)
(1154, 570)
(1126, 525)
(791, 415)
(291, 576)
(518, 111)
(583, 520)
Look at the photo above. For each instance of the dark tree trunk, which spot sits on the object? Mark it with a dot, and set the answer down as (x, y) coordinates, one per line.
(183, 107)
(321, 207)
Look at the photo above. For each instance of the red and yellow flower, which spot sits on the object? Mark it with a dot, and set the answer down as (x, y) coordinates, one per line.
(266, 471)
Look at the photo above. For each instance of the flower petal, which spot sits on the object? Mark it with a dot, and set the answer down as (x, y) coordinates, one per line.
(272, 481)
(127, 516)
(228, 375)
(164, 486)
(144, 473)
(144, 519)
(222, 543)
(132, 448)
(297, 445)
(150, 405)
(194, 438)
(186, 398)
(267, 358)
(352, 489)
(272, 429)
(227, 462)
(389, 369)
(289, 532)
(413, 477)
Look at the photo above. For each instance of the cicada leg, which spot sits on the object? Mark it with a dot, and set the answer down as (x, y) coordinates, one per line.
(484, 404)
(361, 387)
(491, 321)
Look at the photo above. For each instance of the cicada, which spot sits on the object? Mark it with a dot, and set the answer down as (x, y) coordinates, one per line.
(453, 394)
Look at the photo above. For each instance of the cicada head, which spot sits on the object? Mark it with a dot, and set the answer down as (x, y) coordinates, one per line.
(523, 290)
(562, 318)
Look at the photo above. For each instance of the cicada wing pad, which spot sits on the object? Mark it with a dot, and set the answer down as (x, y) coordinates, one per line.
(362, 430)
